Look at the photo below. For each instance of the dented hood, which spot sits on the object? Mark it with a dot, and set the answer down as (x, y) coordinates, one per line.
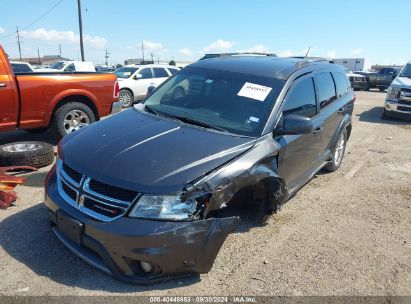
(146, 153)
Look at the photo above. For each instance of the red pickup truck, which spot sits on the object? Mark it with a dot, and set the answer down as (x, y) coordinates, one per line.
(64, 102)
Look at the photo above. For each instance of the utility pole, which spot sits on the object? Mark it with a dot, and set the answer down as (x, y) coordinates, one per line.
(60, 50)
(152, 57)
(142, 49)
(18, 41)
(80, 23)
(308, 51)
(107, 56)
(38, 55)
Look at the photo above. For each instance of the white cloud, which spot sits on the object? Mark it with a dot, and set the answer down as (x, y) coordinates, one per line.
(148, 45)
(218, 46)
(331, 54)
(64, 36)
(356, 52)
(185, 52)
(260, 48)
(2, 30)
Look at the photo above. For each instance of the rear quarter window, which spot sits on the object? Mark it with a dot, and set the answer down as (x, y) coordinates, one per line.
(173, 71)
(20, 68)
(326, 89)
(342, 84)
(160, 73)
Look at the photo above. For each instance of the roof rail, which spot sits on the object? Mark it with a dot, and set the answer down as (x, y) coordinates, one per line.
(313, 59)
(207, 56)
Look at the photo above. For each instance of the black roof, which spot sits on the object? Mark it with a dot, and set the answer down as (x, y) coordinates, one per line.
(266, 66)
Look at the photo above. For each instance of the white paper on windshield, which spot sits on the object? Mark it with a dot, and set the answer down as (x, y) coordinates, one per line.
(254, 119)
(127, 73)
(254, 91)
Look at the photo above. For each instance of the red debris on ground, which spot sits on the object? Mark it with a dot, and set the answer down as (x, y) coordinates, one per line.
(8, 182)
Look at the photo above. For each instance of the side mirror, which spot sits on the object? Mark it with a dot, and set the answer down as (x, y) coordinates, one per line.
(137, 76)
(295, 125)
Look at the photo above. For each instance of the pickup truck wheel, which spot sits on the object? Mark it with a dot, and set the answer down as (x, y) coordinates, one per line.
(126, 98)
(382, 89)
(26, 153)
(71, 117)
(337, 153)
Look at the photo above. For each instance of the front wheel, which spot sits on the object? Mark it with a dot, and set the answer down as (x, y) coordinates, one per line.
(126, 98)
(71, 117)
(338, 153)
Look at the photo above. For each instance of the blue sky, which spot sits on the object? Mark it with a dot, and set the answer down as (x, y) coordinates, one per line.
(186, 29)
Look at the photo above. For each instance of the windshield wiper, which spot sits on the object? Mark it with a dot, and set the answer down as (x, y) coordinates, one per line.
(192, 121)
(151, 110)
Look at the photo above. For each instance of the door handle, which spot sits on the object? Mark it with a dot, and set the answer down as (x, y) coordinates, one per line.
(341, 111)
(318, 130)
(3, 85)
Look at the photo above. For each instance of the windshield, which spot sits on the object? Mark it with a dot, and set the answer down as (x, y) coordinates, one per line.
(58, 65)
(406, 71)
(237, 103)
(125, 72)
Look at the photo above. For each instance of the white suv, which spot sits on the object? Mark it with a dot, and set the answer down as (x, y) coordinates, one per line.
(134, 80)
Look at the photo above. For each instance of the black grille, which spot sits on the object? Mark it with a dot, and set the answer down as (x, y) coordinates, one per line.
(74, 175)
(70, 192)
(405, 89)
(407, 109)
(114, 192)
(103, 209)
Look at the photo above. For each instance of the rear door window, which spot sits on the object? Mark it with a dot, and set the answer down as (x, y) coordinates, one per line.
(146, 73)
(342, 84)
(326, 89)
(160, 73)
(301, 99)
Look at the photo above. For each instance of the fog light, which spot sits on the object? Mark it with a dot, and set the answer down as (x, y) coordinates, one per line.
(146, 266)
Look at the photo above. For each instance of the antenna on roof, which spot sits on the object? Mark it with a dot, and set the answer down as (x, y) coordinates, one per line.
(309, 48)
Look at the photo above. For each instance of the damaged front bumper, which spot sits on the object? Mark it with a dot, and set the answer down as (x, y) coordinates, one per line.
(119, 247)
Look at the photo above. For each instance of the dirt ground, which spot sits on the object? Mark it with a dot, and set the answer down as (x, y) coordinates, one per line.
(344, 233)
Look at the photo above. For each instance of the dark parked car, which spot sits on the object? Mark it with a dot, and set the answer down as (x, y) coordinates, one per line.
(139, 195)
(380, 79)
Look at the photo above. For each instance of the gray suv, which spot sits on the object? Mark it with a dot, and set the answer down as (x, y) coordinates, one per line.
(139, 195)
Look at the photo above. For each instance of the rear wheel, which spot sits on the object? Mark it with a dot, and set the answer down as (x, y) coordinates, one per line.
(126, 98)
(338, 153)
(71, 117)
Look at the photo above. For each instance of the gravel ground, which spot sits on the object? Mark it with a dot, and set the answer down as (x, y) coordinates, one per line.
(344, 233)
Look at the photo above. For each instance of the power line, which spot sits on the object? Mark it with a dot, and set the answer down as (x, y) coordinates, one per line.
(37, 19)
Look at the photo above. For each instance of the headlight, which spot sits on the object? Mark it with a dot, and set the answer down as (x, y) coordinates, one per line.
(164, 207)
(393, 93)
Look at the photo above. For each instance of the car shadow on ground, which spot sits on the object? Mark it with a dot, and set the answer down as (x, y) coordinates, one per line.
(19, 135)
(374, 115)
(26, 236)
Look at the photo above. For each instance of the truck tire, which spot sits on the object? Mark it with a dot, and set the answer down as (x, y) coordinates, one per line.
(70, 117)
(26, 153)
(382, 89)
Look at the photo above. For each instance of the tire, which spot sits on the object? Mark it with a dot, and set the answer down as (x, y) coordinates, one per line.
(382, 89)
(126, 98)
(337, 153)
(26, 153)
(70, 117)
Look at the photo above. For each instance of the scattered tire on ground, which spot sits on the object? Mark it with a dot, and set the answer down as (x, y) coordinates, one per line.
(26, 153)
